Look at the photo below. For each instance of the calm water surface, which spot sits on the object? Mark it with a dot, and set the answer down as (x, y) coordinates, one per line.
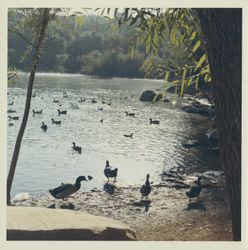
(47, 159)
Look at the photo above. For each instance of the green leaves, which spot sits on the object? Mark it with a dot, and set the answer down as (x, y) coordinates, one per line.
(196, 46)
(200, 62)
(193, 35)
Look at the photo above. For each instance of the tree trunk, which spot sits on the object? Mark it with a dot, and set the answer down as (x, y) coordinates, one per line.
(40, 41)
(223, 34)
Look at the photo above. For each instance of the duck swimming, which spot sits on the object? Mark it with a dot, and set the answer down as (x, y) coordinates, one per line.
(110, 173)
(130, 114)
(44, 126)
(65, 190)
(13, 117)
(76, 148)
(154, 121)
(81, 100)
(62, 112)
(146, 189)
(11, 111)
(56, 122)
(195, 190)
(130, 136)
(38, 112)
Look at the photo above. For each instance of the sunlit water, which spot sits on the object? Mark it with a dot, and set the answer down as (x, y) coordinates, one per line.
(47, 159)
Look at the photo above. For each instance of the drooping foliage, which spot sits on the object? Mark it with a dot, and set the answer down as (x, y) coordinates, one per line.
(183, 28)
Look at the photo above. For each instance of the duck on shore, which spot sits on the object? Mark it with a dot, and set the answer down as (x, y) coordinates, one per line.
(56, 122)
(146, 189)
(62, 112)
(154, 121)
(44, 126)
(195, 190)
(65, 190)
(109, 173)
(76, 148)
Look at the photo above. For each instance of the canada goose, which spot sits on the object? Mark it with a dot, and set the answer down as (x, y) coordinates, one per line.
(110, 173)
(76, 148)
(154, 121)
(44, 126)
(195, 190)
(65, 190)
(130, 114)
(131, 135)
(55, 122)
(146, 189)
(62, 112)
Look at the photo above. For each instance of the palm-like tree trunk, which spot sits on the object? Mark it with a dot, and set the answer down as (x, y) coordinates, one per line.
(38, 51)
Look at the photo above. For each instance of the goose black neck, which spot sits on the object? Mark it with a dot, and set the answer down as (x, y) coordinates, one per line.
(147, 180)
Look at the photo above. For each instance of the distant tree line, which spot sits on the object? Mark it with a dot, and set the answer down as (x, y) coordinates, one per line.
(96, 47)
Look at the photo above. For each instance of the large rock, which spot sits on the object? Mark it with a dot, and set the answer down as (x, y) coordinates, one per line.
(29, 223)
(147, 96)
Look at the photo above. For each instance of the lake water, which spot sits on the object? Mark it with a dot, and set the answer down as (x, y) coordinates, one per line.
(47, 159)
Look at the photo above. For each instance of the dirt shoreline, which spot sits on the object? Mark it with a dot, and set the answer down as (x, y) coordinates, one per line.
(166, 216)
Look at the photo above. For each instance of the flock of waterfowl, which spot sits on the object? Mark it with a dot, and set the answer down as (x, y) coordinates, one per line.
(65, 190)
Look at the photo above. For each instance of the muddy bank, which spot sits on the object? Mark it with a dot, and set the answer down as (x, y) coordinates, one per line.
(166, 215)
